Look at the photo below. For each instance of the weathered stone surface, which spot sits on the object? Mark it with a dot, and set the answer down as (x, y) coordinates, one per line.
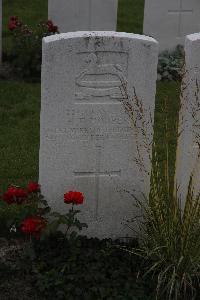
(170, 21)
(87, 140)
(76, 15)
(189, 120)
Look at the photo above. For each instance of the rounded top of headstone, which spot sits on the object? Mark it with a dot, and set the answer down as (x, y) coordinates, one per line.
(193, 37)
(103, 34)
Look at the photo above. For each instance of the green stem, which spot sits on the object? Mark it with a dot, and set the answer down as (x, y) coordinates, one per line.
(66, 232)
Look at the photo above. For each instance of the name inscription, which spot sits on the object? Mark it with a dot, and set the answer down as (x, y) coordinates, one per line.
(77, 133)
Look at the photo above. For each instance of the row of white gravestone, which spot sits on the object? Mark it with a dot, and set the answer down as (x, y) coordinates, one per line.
(167, 21)
(95, 87)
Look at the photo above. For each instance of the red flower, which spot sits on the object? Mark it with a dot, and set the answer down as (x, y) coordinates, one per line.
(15, 195)
(33, 226)
(51, 27)
(13, 22)
(12, 25)
(73, 197)
(33, 187)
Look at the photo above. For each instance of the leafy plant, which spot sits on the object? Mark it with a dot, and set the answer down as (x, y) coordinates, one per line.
(26, 54)
(87, 269)
(18, 204)
(68, 220)
(170, 64)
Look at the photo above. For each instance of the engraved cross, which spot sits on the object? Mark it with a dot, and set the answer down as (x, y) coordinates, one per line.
(97, 174)
(180, 12)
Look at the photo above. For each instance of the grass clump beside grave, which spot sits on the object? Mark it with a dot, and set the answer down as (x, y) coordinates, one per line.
(169, 236)
(170, 241)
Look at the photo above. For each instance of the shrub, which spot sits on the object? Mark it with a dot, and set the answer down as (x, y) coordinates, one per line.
(170, 64)
(27, 206)
(26, 53)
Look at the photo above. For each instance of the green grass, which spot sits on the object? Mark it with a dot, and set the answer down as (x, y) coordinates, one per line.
(130, 16)
(20, 102)
(19, 132)
(166, 122)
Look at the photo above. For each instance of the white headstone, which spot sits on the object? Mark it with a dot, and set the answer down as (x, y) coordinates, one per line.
(76, 15)
(169, 21)
(189, 120)
(87, 142)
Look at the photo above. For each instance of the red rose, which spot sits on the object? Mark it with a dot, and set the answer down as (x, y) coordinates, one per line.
(15, 195)
(51, 27)
(12, 25)
(33, 187)
(73, 197)
(49, 23)
(33, 226)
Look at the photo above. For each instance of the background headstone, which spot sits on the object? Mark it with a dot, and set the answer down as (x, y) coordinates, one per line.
(188, 160)
(87, 141)
(170, 21)
(76, 15)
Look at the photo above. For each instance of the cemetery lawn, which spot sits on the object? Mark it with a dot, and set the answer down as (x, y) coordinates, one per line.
(19, 128)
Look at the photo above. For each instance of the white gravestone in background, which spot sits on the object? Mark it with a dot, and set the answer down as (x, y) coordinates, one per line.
(86, 139)
(76, 15)
(169, 21)
(189, 120)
